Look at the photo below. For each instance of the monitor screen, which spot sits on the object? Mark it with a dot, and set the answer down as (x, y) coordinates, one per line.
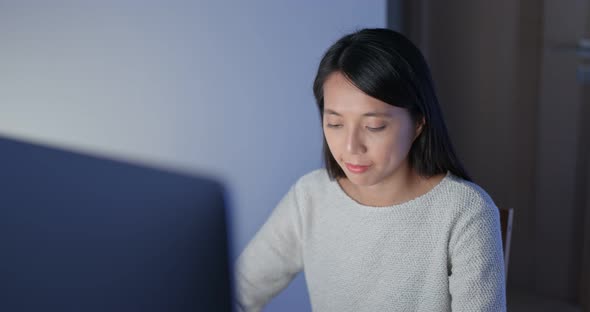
(84, 233)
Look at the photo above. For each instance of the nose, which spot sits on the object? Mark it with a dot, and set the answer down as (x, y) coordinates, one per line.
(354, 143)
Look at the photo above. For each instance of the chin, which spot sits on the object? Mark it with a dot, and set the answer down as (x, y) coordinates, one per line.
(360, 180)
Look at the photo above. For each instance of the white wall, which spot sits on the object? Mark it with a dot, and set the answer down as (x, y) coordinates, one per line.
(201, 86)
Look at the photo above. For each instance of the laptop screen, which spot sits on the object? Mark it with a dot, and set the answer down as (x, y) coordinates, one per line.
(82, 233)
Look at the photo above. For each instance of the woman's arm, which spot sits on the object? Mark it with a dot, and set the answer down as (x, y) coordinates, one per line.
(273, 257)
(476, 282)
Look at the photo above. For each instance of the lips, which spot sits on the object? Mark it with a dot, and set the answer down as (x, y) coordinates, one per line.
(356, 168)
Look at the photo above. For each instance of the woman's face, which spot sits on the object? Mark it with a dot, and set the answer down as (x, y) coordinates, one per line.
(369, 139)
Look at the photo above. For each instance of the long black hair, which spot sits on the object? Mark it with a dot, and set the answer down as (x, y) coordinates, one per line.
(387, 66)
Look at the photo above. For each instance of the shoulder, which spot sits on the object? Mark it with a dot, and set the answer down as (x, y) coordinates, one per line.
(312, 186)
(313, 181)
(467, 197)
(303, 195)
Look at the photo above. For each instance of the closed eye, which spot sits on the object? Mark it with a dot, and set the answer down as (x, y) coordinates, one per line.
(376, 129)
(333, 126)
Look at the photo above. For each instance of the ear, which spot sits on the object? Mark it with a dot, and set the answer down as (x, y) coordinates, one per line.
(419, 127)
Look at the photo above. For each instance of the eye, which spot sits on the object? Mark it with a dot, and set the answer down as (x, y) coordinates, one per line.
(333, 126)
(376, 129)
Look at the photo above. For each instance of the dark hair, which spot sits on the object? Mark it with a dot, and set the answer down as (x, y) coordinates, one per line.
(387, 66)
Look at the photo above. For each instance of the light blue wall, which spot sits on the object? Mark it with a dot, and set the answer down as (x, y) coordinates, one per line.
(202, 86)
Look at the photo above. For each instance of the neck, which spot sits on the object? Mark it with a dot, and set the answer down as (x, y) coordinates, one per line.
(403, 185)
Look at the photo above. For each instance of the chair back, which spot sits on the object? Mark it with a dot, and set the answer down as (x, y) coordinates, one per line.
(506, 217)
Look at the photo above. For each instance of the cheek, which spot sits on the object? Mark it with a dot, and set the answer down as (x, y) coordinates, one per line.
(332, 143)
(393, 147)
(383, 151)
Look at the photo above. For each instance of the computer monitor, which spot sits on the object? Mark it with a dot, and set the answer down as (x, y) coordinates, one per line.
(82, 233)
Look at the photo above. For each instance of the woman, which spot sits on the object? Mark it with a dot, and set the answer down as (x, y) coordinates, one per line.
(393, 223)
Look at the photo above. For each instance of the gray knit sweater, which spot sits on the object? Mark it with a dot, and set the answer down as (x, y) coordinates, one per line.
(441, 251)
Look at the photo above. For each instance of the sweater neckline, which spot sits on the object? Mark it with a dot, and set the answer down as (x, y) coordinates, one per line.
(407, 203)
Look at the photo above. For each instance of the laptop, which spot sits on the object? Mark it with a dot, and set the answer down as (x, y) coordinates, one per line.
(84, 233)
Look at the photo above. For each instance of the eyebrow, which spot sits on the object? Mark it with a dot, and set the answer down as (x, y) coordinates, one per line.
(369, 114)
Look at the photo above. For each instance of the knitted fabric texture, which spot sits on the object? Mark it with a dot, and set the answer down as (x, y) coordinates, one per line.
(441, 251)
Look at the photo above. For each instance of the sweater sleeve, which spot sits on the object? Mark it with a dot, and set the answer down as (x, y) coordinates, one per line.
(476, 281)
(272, 258)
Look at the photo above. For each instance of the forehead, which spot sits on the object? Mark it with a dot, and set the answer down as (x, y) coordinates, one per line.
(343, 97)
